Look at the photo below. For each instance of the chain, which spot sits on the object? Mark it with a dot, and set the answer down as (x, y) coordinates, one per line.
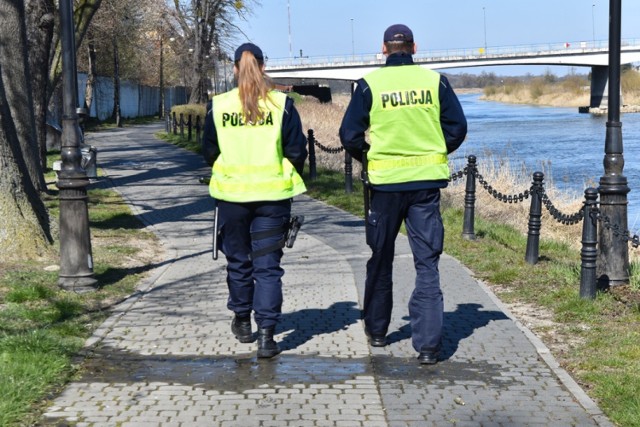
(457, 175)
(499, 196)
(330, 150)
(559, 216)
(615, 229)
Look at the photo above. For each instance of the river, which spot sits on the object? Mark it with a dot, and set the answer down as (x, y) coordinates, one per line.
(566, 145)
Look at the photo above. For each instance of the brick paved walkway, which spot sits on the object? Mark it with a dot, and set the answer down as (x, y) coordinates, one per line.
(166, 357)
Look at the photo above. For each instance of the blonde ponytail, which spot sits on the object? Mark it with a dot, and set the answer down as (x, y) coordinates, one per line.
(253, 86)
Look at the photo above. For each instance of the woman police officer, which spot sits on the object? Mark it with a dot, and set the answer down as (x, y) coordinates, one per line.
(253, 138)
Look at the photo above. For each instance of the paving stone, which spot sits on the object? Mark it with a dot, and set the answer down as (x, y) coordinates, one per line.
(166, 355)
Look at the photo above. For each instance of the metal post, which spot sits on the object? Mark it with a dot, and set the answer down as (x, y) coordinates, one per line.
(589, 252)
(161, 106)
(311, 141)
(613, 259)
(468, 232)
(76, 261)
(535, 222)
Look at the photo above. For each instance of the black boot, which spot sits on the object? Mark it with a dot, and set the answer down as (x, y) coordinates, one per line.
(241, 328)
(267, 347)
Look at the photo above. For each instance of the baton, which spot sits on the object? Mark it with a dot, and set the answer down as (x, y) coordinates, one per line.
(206, 180)
(364, 176)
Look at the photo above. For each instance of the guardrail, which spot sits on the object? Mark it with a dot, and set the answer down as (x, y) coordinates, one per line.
(443, 55)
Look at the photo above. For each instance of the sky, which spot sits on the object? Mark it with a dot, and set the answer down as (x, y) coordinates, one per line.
(342, 27)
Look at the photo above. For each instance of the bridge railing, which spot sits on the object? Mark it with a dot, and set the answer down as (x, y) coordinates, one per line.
(450, 54)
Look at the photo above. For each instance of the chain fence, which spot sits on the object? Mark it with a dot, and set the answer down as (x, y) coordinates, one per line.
(590, 214)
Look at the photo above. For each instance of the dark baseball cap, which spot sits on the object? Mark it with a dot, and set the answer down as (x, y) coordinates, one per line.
(398, 33)
(248, 47)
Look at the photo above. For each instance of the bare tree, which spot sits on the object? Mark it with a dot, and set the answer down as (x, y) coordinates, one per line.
(25, 223)
(205, 25)
(41, 20)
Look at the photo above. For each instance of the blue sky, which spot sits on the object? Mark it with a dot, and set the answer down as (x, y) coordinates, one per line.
(335, 27)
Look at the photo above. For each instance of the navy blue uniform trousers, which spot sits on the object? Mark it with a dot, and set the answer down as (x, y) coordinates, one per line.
(254, 285)
(420, 211)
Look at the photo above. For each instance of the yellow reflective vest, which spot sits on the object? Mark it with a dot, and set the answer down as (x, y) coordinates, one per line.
(251, 165)
(407, 143)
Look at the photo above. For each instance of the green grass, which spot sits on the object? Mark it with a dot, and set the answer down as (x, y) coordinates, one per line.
(42, 328)
(602, 335)
(604, 354)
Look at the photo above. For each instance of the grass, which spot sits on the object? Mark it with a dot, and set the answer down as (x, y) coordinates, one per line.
(596, 341)
(42, 328)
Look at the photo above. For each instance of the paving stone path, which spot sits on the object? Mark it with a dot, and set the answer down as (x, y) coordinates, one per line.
(166, 356)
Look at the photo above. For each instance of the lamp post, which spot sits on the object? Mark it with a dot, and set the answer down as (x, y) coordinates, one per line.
(593, 24)
(289, 21)
(76, 261)
(484, 18)
(353, 46)
(161, 82)
(613, 257)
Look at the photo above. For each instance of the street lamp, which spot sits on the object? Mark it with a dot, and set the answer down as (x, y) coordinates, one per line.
(613, 256)
(76, 261)
(161, 106)
(353, 46)
(289, 19)
(484, 18)
(593, 24)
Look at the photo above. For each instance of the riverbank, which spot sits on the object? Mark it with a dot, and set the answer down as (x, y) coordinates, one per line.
(569, 91)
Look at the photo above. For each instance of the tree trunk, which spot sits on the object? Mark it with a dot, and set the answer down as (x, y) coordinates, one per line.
(91, 76)
(116, 85)
(40, 22)
(18, 92)
(24, 229)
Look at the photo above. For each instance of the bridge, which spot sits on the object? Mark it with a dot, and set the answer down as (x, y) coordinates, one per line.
(593, 54)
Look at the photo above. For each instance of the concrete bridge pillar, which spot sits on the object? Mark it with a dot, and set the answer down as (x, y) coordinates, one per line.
(599, 86)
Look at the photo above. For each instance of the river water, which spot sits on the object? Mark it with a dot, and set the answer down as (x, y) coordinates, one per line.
(564, 144)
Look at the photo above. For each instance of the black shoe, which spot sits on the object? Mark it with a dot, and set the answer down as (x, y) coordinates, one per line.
(428, 358)
(241, 328)
(267, 347)
(376, 340)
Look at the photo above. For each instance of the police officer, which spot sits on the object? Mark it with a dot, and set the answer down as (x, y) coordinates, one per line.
(254, 140)
(414, 120)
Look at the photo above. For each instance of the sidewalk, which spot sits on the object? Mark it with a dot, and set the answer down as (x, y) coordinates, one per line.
(167, 357)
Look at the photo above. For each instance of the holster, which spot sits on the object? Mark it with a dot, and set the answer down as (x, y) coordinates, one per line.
(289, 233)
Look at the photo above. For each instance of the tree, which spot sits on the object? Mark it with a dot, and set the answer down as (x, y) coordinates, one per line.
(27, 81)
(41, 20)
(206, 25)
(25, 224)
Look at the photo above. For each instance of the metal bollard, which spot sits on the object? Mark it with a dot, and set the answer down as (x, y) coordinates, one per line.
(198, 131)
(589, 252)
(175, 124)
(189, 128)
(311, 140)
(182, 125)
(468, 232)
(535, 222)
(348, 173)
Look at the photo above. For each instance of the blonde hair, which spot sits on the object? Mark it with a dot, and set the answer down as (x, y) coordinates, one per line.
(253, 86)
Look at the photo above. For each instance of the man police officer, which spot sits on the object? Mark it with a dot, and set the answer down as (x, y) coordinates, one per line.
(414, 120)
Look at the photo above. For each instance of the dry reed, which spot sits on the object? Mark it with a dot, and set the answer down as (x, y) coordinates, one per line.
(502, 175)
